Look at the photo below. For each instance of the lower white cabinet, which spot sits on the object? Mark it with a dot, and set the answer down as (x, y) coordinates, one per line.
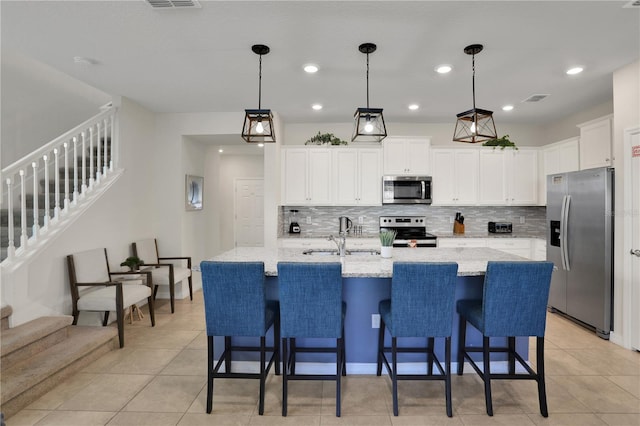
(522, 247)
(461, 242)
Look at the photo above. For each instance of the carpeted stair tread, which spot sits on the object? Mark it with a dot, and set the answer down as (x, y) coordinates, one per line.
(80, 341)
(26, 334)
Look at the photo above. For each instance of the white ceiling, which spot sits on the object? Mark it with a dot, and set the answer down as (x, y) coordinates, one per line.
(200, 60)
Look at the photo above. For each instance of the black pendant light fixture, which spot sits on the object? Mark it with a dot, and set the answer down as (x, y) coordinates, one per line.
(369, 122)
(475, 125)
(258, 123)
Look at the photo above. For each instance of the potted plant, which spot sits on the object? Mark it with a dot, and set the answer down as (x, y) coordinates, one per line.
(325, 138)
(133, 263)
(386, 243)
(502, 142)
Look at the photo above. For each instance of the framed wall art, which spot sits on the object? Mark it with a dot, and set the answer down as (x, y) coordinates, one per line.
(194, 192)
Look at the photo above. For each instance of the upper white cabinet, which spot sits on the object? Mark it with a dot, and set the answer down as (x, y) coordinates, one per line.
(508, 177)
(595, 143)
(558, 157)
(406, 155)
(454, 174)
(357, 176)
(306, 176)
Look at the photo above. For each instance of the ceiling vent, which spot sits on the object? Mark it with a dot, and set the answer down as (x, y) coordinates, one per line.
(174, 4)
(535, 98)
(635, 3)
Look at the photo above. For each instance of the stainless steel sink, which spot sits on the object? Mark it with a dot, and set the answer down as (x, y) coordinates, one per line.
(354, 252)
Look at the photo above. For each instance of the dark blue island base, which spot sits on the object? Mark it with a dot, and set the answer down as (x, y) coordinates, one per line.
(362, 296)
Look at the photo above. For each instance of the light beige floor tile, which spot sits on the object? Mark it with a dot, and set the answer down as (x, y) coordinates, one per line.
(621, 419)
(163, 339)
(145, 419)
(65, 390)
(198, 419)
(305, 397)
(496, 419)
(167, 394)
(525, 394)
(188, 362)
(293, 420)
(606, 362)
(143, 361)
(107, 392)
(575, 419)
(468, 396)
(601, 395)
(76, 418)
(361, 395)
(629, 383)
(200, 342)
(232, 396)
(418, 398)
(27, 417)
(430, 420)
(185, 322)
(559, 362)
(108, 360)
(356, 420)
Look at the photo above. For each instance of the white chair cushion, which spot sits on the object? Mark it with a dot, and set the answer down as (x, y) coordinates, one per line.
(104, 298)
(91, 266)
(146, 250)
(160, 276)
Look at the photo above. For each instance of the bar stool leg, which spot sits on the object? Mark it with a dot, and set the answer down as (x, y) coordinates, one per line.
(430, 346)
(487, 375)
(462, 335)
(394, 374)
(344, 353)
(542, 393)
(447, 380)
(263, 348)
(339, 346)
(285, 364)
(227, 354)
(209, 374)
(512, 357)
(380, 348)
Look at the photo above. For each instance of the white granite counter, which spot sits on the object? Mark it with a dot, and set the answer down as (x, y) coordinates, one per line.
(471, 261)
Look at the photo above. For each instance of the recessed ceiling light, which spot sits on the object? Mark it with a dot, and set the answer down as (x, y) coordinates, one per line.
(260, 145)
(316, 107)
(575, 70)
(414, 107)
(443, 69)
(311, 68)
(221, 150)
(507, 107)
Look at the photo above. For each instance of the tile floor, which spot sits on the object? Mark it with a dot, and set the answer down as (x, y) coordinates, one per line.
(158, 379)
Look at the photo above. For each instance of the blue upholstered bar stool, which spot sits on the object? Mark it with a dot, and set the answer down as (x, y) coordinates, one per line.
(311, 306)
(514, 303)
(421, 305)
(235, 304)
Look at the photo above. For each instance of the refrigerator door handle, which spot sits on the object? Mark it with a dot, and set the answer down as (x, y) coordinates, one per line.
(564, 243)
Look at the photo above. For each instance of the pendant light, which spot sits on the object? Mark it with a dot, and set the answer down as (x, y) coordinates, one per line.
(258, 123)
(369, 122)
(475, 125)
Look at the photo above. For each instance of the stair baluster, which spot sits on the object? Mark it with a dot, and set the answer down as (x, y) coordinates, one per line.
(75, 170)
(11, 247)
(56, 194)
(36, 225)
(47, 215)
(23, 213)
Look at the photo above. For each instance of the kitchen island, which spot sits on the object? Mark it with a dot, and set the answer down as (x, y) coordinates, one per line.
(367, 281)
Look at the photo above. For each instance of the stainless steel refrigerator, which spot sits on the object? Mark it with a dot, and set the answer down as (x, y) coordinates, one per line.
(580, 244)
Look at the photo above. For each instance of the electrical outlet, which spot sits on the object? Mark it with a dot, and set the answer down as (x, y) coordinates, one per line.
(375, 320)
(360, 220)
(451, 219)
(521, 219)
(309, 220)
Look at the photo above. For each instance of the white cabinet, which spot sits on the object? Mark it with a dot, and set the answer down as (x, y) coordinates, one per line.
(508, 177)
(538, 249)
(454, 173)
(406, 155)
(558, 157)
(595, 143)
(306, 176)
(461, 242)
(357, 176)
(518, 246)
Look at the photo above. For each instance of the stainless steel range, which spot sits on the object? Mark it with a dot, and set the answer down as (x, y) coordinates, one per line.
(411, 231)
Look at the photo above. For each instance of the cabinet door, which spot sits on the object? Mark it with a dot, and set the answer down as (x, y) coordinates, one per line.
(346, 176)
(466, 176)
(492, 182)
(294, 177)
(319, 175)
(522, 177)
(417, 157)
(443, 177)
(370, 177)
(394, 157)
(595, 144)
(568, 157)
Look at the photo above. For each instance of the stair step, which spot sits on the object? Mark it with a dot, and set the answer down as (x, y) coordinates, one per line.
(31, 378)
(26, 340)
(5, 313)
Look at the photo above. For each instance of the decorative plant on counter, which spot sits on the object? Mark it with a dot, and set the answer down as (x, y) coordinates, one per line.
(387, 237)
(133, 262)
(502, 142)
(325, 138)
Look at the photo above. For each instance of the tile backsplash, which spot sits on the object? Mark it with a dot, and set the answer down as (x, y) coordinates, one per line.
(324, 220)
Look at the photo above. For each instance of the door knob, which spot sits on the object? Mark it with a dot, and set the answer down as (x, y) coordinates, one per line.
(635, 252)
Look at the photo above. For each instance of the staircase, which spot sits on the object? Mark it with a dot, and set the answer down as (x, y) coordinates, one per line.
(38, 355)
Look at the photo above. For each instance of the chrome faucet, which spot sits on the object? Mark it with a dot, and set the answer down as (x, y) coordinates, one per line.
(341, 243)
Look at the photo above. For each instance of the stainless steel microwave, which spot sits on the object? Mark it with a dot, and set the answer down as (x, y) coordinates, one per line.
(406, 189)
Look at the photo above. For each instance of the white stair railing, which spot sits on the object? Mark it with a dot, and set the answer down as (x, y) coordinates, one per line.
(28, 179)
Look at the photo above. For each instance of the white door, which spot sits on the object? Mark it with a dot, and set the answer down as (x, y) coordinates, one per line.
(632, 148)
(249, 213)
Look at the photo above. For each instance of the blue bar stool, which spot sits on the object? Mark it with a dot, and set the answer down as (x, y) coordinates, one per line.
(235, 304)
(421, 305)
(311, 306)
(514, 304)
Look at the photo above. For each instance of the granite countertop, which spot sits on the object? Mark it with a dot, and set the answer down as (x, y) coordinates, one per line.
(471, 261)
(490, 235)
